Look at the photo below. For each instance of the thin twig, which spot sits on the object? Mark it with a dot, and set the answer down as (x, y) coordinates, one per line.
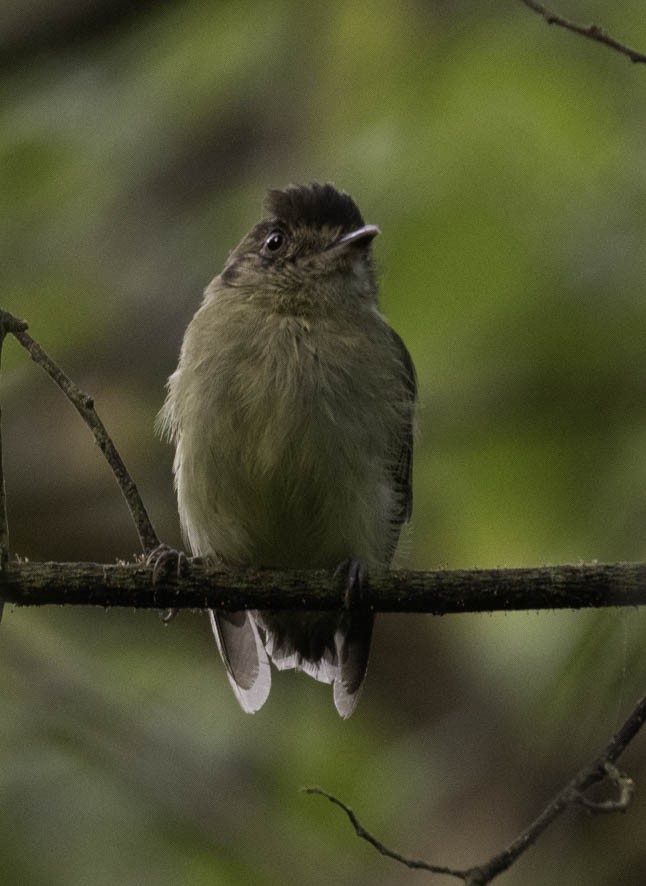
(592, 32)
(6, 325)
(360, 831)
(600, 769)
(85, 406)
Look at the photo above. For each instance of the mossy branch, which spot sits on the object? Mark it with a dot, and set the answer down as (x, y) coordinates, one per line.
(436, 592)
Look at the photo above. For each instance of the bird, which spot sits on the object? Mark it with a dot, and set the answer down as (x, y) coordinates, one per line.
(292, 414)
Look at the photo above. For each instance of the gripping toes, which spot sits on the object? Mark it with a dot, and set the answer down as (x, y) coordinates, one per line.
(164, 558)
(356, 590)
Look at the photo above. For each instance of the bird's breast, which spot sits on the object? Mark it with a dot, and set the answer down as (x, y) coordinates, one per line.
(294, 447)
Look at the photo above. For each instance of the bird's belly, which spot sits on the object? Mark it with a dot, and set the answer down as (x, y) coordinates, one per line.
(307, 503)
(289, 467)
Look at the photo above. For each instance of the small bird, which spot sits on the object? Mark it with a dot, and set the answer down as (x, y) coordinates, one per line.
(292, 411)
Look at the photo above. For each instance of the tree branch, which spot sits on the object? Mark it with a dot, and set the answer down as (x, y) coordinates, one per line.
(438, 592)
(593, 32)
(84, 405)
(601, 769)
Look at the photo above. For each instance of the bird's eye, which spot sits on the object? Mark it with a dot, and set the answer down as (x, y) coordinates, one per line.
(274, 242)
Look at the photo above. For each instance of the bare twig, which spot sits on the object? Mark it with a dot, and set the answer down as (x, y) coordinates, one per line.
(439, 593)
(600, 769)
(360, 831)
(593, 32)
(85, 406)
(6, 325)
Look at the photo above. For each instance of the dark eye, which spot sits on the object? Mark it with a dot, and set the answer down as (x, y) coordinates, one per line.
(274, 242)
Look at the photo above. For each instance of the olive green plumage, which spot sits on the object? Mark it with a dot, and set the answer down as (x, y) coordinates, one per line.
(291, 411)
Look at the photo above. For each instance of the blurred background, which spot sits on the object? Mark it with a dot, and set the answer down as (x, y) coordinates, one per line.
(504, 162)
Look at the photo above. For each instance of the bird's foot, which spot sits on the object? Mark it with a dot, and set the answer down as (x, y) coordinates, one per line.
(356, 587)
(164, 559)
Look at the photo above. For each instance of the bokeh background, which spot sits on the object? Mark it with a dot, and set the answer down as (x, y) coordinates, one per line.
(504, 161)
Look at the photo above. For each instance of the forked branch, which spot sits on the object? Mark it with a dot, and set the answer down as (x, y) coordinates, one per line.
(601, 770)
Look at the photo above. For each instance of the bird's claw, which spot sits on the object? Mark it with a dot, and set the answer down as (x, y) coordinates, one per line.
(163, 559)
(356, 591)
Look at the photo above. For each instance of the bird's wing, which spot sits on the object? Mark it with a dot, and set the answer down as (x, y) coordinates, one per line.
(402, 471)
(355, 628)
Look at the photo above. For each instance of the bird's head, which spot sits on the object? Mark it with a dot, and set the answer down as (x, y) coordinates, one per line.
(313, 248)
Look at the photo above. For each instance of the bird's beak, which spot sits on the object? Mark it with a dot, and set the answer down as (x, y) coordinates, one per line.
(361, 237)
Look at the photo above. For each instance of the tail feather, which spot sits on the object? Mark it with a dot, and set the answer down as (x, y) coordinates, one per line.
(247, 641)
(330, 649)
(324, 670)
(353, 648)
(244, 656)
